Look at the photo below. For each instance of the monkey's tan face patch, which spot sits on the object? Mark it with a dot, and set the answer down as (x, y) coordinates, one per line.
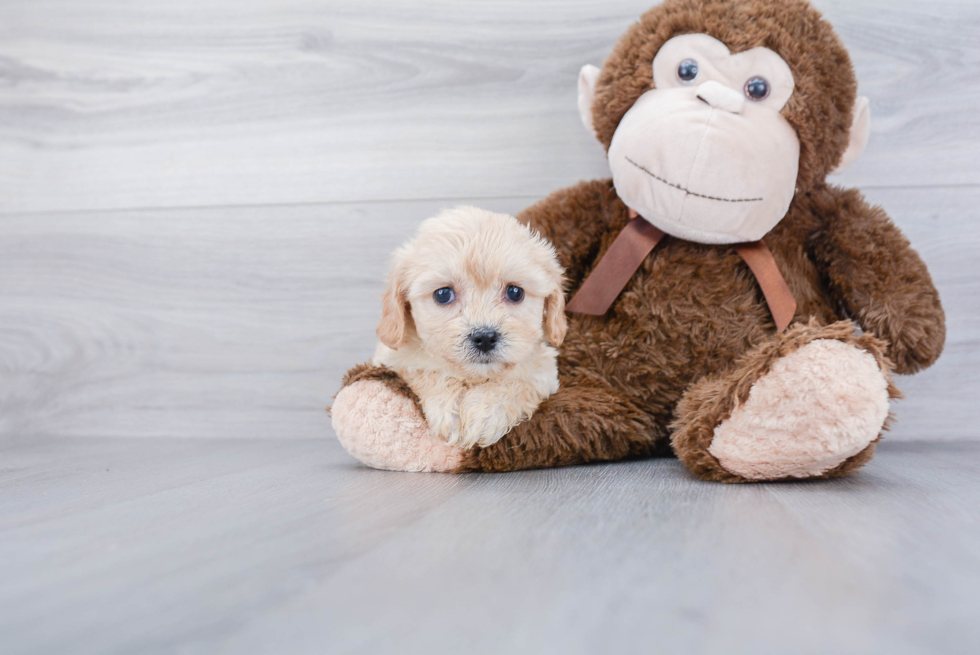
(715, 63)
(706, 155)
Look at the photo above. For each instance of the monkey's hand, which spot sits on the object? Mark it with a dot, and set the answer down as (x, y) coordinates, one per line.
(879, 278)
(378, 420)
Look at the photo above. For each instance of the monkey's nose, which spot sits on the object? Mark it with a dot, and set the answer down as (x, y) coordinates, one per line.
(484, 339)
(722, 97)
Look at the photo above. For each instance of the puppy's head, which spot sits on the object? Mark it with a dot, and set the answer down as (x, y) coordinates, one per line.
(476, 289)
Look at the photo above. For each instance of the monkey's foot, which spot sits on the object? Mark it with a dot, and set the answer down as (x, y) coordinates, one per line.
(815, 408)
(385, 429)
(813, 404)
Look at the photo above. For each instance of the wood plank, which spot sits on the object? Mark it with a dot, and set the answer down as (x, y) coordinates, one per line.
(113, 104)
(221, 322)
(241, 322)
(142, 544)
(210, 546)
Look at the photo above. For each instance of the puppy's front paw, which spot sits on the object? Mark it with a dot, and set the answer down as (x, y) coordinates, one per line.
(484, 419)
(442, 415)
(444, 425)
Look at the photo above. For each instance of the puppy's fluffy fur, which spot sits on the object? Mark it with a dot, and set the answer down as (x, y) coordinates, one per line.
(469, 396)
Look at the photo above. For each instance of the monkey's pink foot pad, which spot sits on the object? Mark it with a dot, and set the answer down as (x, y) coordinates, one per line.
(816, 407)
(385, 430)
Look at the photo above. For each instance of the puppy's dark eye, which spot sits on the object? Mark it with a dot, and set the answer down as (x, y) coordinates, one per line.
(757, 89)
(444, 296)
(515, 293)
(688, 70)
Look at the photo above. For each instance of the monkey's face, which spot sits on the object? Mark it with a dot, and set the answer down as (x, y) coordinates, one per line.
(706, 155)
(712, 146)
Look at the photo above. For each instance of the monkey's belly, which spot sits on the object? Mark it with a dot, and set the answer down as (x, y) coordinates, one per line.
(659, 336)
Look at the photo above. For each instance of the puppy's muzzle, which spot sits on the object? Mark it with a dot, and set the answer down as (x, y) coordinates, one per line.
(484, 339)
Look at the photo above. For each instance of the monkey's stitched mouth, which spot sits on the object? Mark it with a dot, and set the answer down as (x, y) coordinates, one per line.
(688, 191)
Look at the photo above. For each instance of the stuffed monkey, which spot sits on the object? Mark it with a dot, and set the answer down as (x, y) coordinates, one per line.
(727, 305)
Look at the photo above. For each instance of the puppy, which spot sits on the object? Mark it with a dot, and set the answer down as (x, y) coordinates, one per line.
(471, 306)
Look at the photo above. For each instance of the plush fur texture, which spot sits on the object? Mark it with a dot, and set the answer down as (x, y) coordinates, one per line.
(690, 336)
(712, 400)
(372, 406)
(700, 160)
(470, 397)
(814, 408)
(820, 109)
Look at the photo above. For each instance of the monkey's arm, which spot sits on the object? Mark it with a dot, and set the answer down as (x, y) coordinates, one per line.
(575, 220)
(880, 280)
(378, 419)
(584, 421)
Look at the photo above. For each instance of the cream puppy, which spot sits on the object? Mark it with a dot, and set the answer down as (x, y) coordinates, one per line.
(471, 306)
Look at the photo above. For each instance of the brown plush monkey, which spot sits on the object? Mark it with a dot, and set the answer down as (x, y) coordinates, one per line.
(721, 119)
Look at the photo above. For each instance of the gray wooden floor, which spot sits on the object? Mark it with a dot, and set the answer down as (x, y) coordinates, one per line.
(286, 546)
(197, 200)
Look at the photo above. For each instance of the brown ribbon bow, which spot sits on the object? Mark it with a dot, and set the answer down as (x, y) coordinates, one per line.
(634, 243)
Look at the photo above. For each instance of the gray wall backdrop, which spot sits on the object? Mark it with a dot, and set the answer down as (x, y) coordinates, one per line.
(198, 197)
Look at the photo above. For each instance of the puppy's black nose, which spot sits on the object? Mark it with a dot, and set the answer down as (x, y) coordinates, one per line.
(484, 339)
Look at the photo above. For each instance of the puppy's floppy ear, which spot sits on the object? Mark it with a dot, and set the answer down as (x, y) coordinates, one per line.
(395, 313)
(555, 324)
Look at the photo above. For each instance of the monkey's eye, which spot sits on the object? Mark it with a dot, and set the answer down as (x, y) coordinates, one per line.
(757, 89)
(515, 293)
(444, 296)
(688, 70)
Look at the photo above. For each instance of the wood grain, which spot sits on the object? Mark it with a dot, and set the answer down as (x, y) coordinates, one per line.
(197, 201)
(221, 322)
(240, 322)
(206, 546)
(109, 104)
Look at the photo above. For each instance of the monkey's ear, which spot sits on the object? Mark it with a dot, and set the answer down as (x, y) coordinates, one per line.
(586, 95)
(858, 136)
(394, 313)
